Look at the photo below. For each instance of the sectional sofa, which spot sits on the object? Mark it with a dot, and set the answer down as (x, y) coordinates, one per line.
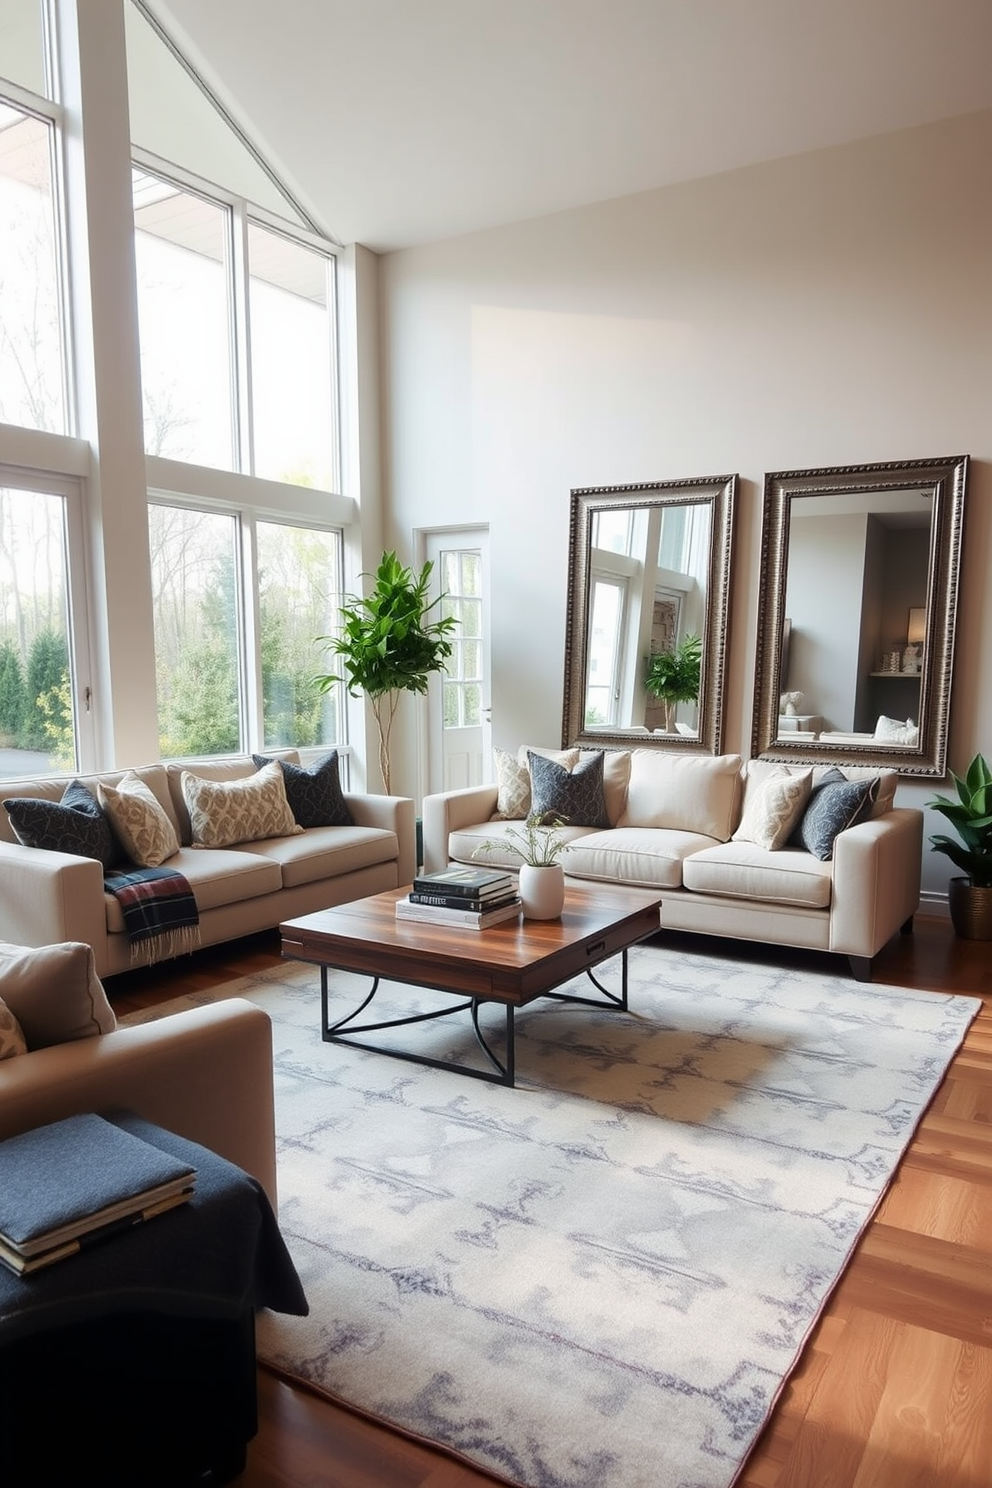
(48, 897)
(704, 831)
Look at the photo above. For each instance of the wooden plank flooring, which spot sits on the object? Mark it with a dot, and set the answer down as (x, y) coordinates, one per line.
(894, 1388)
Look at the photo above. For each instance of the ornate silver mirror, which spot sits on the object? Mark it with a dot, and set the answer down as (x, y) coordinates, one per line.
(855, 638)
(648, 577)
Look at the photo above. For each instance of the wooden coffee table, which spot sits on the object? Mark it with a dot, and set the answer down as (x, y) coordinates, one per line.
(511, 963)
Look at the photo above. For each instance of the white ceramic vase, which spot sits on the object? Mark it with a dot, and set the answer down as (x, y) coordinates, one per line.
(542, 891)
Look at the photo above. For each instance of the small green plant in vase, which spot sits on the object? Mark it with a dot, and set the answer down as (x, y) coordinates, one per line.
(539, 844)
(673, 677)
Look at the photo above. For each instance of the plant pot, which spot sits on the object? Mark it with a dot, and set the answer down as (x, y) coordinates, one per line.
(542, 891)
(971, 909)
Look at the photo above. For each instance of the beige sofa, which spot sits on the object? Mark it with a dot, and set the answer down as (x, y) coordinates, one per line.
(672, 822)
(48, 897)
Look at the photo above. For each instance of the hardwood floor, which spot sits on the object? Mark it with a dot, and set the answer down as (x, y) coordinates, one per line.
(894, 1389)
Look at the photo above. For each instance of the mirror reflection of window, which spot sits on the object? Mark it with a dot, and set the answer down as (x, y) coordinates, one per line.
(612, 530)
(605, 630)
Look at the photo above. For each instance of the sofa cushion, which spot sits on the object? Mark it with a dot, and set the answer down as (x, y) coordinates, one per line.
(648, 857)
(217, 878)
(742, 870)
(12, 1041)
(616, 778)
(772, 807)
(140, 822)
(325, 852)
(685, 792)
(466, 841)
(573, 795)
(834, 806)
(313, 791)
(223, 813)
(77, 824)
(54, 992)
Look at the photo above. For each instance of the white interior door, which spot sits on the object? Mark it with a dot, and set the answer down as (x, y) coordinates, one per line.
(459, 746)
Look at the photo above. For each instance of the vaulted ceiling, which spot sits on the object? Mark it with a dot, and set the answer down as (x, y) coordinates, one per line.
(398, 122)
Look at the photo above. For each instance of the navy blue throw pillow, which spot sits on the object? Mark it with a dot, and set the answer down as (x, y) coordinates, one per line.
(314, 791)
(834, 806)
(575, 796)
(77, 824)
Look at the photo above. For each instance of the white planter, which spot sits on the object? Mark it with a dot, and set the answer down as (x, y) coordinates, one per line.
(542, 891)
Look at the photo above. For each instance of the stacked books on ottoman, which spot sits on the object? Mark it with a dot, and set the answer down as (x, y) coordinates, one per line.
(472, 898)
(69, 1184)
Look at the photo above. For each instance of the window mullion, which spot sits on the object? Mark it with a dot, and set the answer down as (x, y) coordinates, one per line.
(253, 729)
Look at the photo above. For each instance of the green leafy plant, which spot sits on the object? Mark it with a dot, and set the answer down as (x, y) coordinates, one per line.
(971, 817)
(673, 676)
(539, 842)
(389, 645)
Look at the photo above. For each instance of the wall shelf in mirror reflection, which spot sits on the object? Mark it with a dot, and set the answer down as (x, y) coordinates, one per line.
(648, 577)
(858, 584)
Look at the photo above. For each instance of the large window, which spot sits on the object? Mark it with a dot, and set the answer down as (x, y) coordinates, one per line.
(299, 595)
(37, 715)
(212, 680)
(271, 414)
(182, 246)
(31, 351)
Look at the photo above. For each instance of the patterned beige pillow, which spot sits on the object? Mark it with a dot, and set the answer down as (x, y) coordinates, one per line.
(224, 812)
(11, 1035)
(772, 807)
(146, 833)
(513, 779)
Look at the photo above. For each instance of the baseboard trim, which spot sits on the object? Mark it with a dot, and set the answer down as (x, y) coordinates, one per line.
(934, 905)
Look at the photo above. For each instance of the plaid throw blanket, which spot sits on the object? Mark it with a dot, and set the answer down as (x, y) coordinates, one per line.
(157, 904)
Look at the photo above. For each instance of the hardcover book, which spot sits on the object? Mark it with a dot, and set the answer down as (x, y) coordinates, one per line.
(468, 882)
(463, 902)
(457, 918)
(68, 1183)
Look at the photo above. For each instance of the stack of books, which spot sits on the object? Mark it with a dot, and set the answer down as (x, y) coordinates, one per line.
(473, 898)
(68, 1185)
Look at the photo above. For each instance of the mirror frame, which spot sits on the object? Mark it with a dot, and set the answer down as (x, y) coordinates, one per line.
(720, 493)
(945, 480)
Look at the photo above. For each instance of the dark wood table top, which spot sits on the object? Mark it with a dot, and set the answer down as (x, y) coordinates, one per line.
(514, 961)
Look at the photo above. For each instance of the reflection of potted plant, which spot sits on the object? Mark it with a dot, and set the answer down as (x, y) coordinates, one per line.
(539, 844)
(673, 676)
(970, 897)
(389, 645)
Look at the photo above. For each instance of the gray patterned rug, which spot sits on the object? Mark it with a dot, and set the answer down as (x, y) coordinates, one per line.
(602, 1278)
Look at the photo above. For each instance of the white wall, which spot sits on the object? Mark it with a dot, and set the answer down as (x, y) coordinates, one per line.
(827, 309)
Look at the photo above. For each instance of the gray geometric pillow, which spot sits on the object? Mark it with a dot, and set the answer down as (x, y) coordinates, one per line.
(576, 796)
(77, 824)
(832, 809)
(314, 793)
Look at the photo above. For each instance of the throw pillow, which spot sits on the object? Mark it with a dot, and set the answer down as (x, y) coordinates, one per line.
(772, 808)
(225, 812)
(895, 731)
(575, 796)
(313, 792)
(77, 824)
(835, 806)
(54, 992)
(11, 1034)
(513, 779)
(145, 831)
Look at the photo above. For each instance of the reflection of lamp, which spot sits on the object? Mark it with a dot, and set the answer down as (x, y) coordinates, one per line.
(916, 632)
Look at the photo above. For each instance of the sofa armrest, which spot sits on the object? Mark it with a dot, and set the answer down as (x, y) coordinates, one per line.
(448, 812)
(876, 881)
(49, 897)
(205, 1074)
(390, 814)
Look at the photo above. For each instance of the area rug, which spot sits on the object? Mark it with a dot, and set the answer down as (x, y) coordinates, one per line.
(601, 1278)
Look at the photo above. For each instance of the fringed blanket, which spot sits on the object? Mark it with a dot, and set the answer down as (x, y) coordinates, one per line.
(157, 904)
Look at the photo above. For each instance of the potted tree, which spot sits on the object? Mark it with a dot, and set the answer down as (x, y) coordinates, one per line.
(969, 897)
(389, 644)
(673, 676)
